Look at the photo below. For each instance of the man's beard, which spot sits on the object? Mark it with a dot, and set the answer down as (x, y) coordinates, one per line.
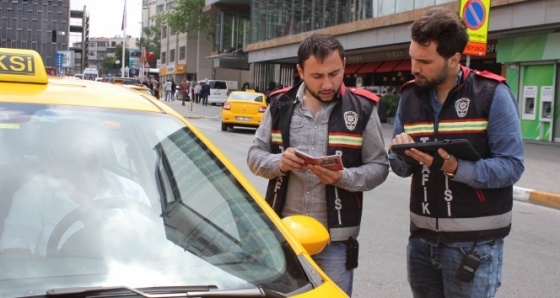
(440, 78)
(317, 97)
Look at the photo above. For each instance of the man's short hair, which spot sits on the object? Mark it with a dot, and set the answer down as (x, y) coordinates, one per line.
(444, 27)
(320, 46)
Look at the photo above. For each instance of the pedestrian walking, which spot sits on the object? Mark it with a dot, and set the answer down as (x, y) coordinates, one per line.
(197, 88)
(204, 92)
(184, 89)
(173, 90)
(156, 91)
(168, 89)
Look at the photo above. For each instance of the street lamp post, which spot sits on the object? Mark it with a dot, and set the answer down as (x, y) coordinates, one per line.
(117, 62)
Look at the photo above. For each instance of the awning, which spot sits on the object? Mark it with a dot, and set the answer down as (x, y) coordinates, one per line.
(403, 66)
(352, 68)
(388, 66)
(370, 67)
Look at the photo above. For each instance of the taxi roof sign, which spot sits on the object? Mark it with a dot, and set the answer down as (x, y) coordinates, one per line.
(22, 66)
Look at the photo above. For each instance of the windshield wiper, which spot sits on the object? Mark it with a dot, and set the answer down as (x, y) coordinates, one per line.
(163, 292)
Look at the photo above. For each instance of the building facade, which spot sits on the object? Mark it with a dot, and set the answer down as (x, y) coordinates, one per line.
(100, 48)
(36, 25)
(522, 45)
(48, 27)
(189, 56)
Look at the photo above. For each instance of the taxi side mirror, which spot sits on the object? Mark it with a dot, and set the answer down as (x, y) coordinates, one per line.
(308, 231)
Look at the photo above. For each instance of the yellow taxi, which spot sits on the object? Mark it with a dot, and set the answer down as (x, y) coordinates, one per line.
(243, 108)
(108, 193)
(142, 89)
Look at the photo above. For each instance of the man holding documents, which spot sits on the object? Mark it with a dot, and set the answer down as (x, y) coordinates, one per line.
(322, 117)
(460, 206)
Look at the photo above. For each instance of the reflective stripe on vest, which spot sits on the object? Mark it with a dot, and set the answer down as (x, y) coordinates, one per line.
(447, 126)
(461, 224)
(345, 140)
(470, 126)
(276, 137)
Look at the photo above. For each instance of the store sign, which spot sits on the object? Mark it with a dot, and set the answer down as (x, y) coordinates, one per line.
(475, 48)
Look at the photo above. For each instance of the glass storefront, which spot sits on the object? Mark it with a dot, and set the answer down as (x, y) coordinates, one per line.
(278, 18)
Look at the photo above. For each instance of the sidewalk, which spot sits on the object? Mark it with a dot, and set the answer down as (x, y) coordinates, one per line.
(192, 110)
(539, 184)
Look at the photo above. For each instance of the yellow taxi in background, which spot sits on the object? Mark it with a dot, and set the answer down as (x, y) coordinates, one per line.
(243, 108)
(108, 193)
(142, 89)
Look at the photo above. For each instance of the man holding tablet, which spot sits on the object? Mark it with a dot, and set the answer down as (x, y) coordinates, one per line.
(460, 205)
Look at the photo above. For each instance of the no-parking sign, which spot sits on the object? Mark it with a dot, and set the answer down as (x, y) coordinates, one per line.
(475, 14)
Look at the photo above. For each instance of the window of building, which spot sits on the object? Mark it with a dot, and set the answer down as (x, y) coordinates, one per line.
(164, 32)
(275, 18)
(182, 53)
(163, 56)
(232, 32)
(171, 55)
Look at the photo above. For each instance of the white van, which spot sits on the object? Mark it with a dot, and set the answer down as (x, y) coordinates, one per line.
(219, 90)
(90, 74)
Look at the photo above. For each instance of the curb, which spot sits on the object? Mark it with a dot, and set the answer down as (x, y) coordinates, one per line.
(536, 196)
(200, 117)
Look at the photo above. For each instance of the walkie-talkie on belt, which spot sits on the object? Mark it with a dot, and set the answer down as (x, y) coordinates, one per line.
(468, 266)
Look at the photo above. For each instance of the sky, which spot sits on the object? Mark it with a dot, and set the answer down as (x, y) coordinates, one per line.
(105, 16)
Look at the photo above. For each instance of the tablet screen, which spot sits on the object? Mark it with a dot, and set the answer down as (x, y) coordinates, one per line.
(460, 148)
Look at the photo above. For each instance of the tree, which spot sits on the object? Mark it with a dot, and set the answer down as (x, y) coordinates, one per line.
(187, 16)
(118, 55)
(107, 64)
(152, 41)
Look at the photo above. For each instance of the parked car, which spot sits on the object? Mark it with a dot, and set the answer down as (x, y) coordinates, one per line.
(243, 108)
(108, 193)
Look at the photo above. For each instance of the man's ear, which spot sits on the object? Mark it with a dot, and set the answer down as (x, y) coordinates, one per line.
(299, 70)
(455, 59)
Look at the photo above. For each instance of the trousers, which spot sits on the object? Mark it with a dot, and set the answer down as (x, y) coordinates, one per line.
(332, 261)
(432, 268)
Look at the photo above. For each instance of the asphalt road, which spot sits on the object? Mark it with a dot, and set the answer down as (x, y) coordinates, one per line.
(530, 257)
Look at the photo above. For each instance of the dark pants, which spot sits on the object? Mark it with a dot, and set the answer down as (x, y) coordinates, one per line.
(185, 97)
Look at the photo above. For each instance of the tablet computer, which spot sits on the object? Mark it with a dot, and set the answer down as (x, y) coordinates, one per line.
(460, 148)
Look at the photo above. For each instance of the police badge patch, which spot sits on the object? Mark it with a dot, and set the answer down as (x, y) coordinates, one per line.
(350, 119)
(462, 107)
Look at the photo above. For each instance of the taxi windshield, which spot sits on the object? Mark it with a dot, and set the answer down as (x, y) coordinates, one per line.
(101, 197)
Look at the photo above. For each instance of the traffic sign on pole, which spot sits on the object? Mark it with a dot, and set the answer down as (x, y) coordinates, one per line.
(475, 14)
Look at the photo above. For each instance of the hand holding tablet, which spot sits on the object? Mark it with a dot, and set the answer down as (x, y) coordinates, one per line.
(460, 148)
